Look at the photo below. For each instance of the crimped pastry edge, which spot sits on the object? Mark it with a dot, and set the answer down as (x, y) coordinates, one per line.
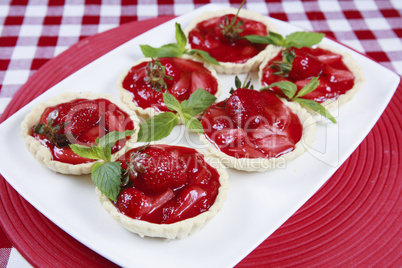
(236, 68)
(265, 164)
(127, 98)
(43, 155)
(179, 229)
(348, 60)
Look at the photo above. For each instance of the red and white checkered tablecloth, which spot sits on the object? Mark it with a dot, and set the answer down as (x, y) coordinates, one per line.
(35, 31)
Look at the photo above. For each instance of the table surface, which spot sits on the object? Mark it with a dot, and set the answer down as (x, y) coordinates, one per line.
(34, 31)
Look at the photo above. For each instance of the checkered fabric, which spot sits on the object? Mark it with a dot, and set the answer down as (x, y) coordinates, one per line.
(34, 31)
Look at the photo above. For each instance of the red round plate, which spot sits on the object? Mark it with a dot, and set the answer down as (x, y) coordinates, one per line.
(351, 221)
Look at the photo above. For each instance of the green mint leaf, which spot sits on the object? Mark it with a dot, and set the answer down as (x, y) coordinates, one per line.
(88, 152)
(171, 102)
(157, 127)
(110, 139)
(273, 38)
(315, 106)
(180, 37)
(204, 55)
(107, 177)
(312, 85)
(192, 123)
(169, 50)
(303, 39)
(198, 101)
(288, 88)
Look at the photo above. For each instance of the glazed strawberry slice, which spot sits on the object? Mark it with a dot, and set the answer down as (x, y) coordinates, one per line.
(136, 204)
(82, 117)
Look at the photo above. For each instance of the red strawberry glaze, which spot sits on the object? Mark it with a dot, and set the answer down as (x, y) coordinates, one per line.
(207, 36)
(178, 184)
(87, 120)
(187, 77)
(334, 76)
(275, 133)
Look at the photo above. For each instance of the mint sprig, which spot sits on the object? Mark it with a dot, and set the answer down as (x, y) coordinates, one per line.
(296, 39)
(290, 90)
(107, 176)
(160, 125)
(177, 49)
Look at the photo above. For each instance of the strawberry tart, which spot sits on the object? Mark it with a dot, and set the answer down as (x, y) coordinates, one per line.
(256, 131)
(75, 118)
(143, 85)
(169, 191)
(340, 76)
(220, 34)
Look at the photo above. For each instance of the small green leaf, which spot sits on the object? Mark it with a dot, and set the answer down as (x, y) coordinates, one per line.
(311, 86)
(107, 177)
(237, 82)
(198, 101)
(87, 152)
(315, 106)
(192, 123)
(180, 37)
(110, 139)
(288, 88)
(272, 38)
(169, 50)
(157, 127)
(171, 102)
(303, 39)
(204, 55)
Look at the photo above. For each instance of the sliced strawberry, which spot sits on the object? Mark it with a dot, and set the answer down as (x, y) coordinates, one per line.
(244, 106)
(339, 76)
(305, 66)
(180, 89)
(135, 204)
(170, 70)
(91, 134)
(82, 117)
(203, 80)
(275, 145)
(184, 203)
(329, 58)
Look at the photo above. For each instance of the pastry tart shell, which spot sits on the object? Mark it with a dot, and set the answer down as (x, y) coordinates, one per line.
(43, 155)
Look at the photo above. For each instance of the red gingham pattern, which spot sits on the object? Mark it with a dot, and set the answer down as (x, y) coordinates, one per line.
(34, 31)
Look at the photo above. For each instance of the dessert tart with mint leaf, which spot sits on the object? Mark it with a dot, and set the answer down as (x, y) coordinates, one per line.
(221, 35)
(169, 68)
(75, 118)
(298, 60)
(256, 130)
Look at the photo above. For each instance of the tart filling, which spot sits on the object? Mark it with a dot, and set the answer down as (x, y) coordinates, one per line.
(171, 191)
(256, 131)
(340, 77)
(74, 118)
(180, 77)
(209, 33)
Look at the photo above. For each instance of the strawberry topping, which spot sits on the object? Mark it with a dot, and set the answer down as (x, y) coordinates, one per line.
(81, 121)
(208, 36)
(185, 76)
(239, 129)
(176, 184)
(334, 77)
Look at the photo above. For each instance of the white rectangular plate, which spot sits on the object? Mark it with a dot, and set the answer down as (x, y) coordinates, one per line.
(257, 203)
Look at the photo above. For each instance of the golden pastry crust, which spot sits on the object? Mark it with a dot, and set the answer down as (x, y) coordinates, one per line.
(354, 67)
(236, 68)
(127, 97)
(43, 155)
(175, 230)
(264, 164)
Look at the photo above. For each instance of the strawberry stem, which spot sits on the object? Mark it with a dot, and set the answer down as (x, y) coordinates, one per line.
(156, 73)
(230, 30)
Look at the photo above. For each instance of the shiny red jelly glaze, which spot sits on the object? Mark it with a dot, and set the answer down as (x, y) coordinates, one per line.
(104, 117)
(207, 36)
(335, 80)
(188, 185)
(187, 77)
(277, 133)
